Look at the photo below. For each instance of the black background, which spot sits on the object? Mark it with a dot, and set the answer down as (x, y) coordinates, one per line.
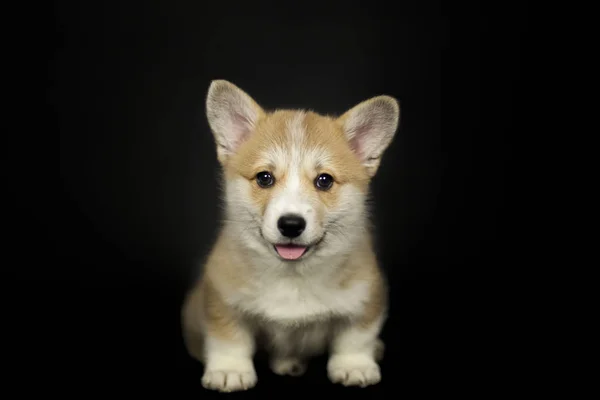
(136, 207)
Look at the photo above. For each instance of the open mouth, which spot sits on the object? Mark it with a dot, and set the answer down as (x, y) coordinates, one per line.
(290, 251)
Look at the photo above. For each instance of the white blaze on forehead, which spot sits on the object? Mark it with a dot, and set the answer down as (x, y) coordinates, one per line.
(287, 156)
(290, 199)
(296, 160)
(303, 156)
(291, 159)
(296, 130)
(297, 133)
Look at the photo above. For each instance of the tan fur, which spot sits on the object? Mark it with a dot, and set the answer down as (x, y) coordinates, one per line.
(376, 109)
(363, 267)
(231, 273)
(220, 319)
(204, 307)
(321, 132)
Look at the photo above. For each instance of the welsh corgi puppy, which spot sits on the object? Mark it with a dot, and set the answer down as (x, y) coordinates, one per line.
(293, 270)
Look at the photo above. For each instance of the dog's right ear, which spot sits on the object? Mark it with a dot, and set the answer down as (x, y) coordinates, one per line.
(232, 115)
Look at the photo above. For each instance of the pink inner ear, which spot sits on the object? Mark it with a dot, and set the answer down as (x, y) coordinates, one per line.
(356, 143)
(242, 125)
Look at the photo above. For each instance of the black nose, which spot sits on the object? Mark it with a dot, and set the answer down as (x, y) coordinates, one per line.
(291, 225)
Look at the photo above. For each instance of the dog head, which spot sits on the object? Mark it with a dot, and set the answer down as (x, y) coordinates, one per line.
(296, 181)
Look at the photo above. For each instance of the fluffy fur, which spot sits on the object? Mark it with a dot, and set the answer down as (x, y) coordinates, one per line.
(334, 297)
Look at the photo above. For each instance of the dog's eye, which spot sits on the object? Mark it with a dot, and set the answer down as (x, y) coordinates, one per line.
(265, 179)
(324, 182)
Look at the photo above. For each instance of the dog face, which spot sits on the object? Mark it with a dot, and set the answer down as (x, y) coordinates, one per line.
(296, 181)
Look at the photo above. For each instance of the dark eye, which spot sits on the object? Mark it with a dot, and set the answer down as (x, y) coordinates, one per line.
(324, 182)
(265, 179)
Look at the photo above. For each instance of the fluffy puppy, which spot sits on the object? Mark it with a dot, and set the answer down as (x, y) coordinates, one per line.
(293, 268)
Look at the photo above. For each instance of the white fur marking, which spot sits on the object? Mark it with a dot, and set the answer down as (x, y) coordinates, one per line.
(352, 361)
(229, 365)
(290, 198)
(353, 370)
(292, 299)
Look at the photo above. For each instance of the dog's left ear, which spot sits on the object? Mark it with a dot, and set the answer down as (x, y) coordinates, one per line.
(370, 127)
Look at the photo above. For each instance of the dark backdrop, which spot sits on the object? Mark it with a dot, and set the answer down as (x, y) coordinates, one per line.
(136, 206)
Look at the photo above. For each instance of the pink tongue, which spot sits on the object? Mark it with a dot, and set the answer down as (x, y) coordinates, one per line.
(290, 252)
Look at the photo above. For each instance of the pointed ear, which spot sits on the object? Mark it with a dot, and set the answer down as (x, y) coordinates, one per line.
(232, 115)
(370, 127)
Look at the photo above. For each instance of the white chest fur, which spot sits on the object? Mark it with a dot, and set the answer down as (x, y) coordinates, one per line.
(291, 300)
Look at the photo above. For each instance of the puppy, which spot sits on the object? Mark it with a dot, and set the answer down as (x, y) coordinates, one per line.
(293, 269)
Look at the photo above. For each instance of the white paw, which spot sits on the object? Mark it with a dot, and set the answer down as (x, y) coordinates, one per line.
(288, 366)
(353, 370)
(229, 381)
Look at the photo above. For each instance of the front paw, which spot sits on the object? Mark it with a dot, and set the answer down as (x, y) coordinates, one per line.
(353, 370)
(230, 380)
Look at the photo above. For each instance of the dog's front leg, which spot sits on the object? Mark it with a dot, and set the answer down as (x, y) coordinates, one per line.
(353, 355)
(228, 345)
(228, 361)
